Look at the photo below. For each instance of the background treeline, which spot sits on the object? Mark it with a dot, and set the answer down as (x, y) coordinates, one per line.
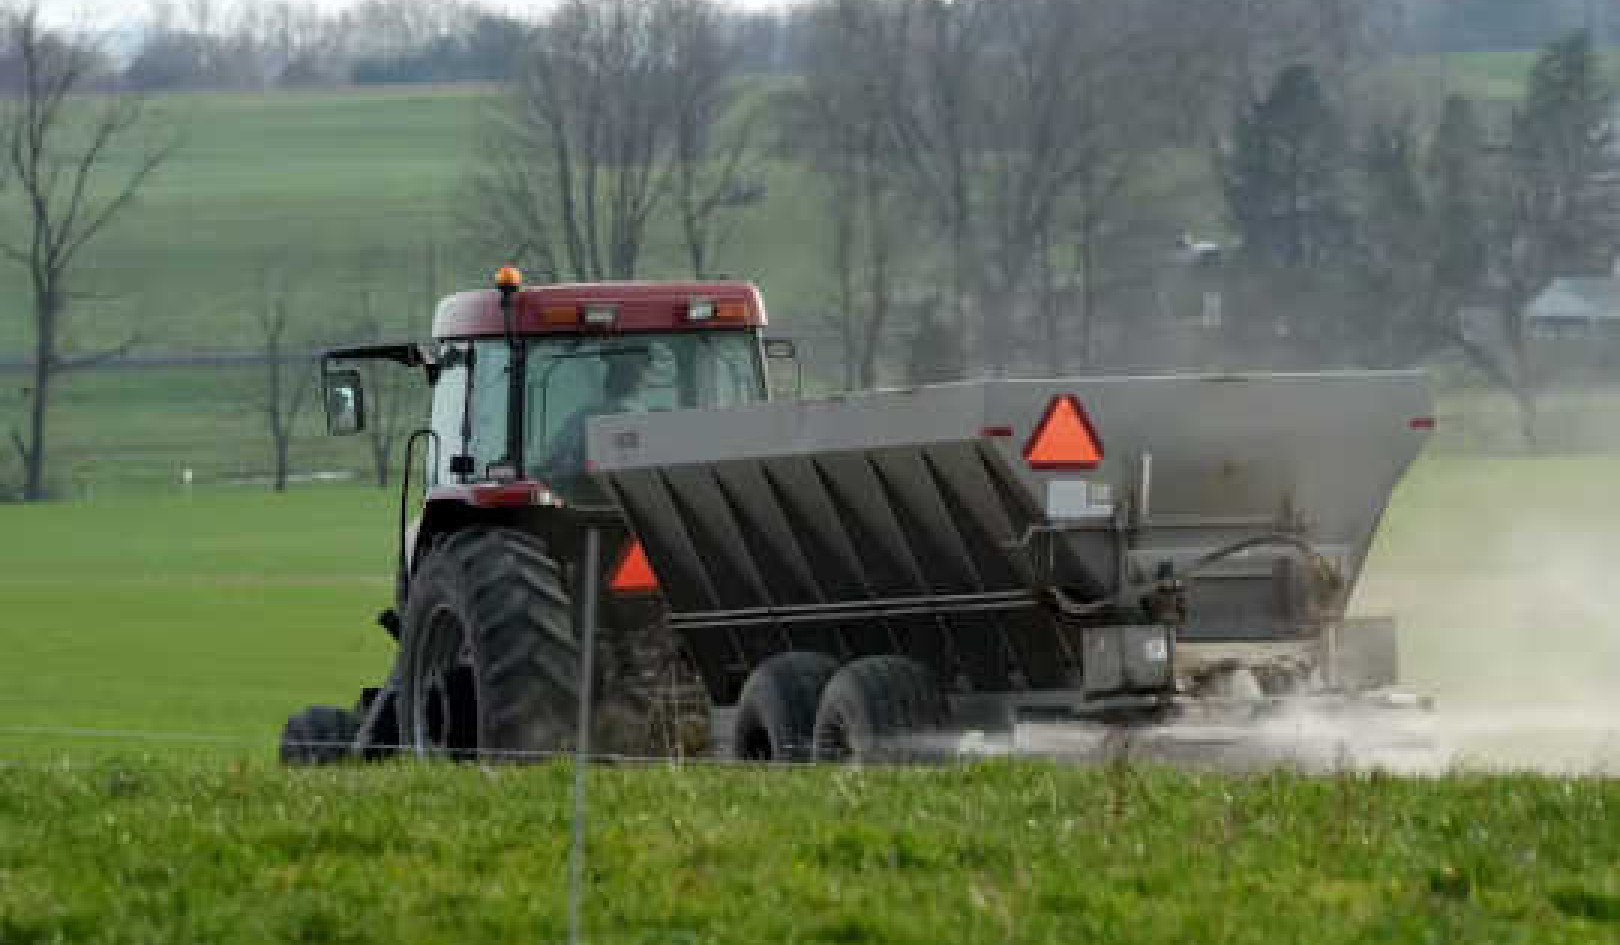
(926, 190)
(1052, 185)
(268, 44)
(1474, 25)
(210, 44)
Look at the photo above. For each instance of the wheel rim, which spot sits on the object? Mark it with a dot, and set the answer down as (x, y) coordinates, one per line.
(832, 741)
(444, 709)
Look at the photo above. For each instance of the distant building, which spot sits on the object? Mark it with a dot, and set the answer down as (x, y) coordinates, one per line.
(1573, 330)
(1575, 308)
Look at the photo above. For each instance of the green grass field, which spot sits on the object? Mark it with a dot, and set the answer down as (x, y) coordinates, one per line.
(208, 615)
(153, 647)
(220, 612)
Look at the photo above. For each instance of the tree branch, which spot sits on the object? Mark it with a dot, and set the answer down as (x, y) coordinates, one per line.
(23, 453)
(85, 361)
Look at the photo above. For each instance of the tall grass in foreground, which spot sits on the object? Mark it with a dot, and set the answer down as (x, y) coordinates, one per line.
(149, 851)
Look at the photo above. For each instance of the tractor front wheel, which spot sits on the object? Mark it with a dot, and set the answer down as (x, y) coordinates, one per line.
(490, 665)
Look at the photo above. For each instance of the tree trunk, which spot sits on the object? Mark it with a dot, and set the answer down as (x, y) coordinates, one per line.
(1049, 309)
(692, 226)
(1086, 263)
(1523, 379)
(877, 275)
(843, 253)
(380, 449)
(35, 489)
(280, 484)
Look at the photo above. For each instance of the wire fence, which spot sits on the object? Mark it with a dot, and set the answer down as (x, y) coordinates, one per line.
(384, 751)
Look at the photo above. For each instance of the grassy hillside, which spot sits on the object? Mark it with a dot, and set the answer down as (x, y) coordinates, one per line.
(344, 190)
(340, 190)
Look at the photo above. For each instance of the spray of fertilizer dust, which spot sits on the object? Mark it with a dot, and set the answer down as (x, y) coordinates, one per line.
(1506, 592)
(1517, 636)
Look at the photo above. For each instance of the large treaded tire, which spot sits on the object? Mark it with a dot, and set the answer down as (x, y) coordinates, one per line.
(499, 591)
(776, 715)
(319, 735)
(880, 708)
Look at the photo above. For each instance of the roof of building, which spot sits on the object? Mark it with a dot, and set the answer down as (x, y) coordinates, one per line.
(1578, 297)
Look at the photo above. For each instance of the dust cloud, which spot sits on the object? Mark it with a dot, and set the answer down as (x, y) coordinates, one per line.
(1506, 592)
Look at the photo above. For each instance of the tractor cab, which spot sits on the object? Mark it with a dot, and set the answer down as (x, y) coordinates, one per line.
(518, 372)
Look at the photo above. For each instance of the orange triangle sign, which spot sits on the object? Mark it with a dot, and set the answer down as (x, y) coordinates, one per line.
(633, 574)
(1065, 438)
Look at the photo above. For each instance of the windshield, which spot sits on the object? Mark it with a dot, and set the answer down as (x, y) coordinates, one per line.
(571, 380)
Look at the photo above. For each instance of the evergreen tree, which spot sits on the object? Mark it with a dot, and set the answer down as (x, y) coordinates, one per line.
(1555, 213)
(1395, 248)
(1284, 177)
(1457, 226)
(1560, 158)
(1284, 174)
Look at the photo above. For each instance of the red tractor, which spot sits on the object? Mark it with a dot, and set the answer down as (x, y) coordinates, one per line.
(484, 613)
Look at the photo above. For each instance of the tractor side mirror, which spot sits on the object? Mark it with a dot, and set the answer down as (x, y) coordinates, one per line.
(345, 399)
(783, 352)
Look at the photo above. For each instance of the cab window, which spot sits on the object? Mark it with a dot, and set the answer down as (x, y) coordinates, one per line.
(449, 407)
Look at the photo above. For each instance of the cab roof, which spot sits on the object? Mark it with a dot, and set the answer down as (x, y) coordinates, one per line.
(636, 306)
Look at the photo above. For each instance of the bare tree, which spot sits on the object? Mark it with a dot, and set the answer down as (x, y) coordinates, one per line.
(1016, 129)
(592, 139)
(287, 373)
(711, 155)
(75, 169)
(393, 392)
(926, 61)
(841, 126)
(1060, 149)
(1558, 203)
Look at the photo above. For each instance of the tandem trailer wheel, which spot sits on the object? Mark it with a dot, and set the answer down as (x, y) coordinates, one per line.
(776, 715)
(881, 708)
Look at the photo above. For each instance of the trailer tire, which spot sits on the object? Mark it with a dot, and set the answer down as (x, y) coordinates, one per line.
(776, 715)
(874, 709)
(319, 735)
(489, 661)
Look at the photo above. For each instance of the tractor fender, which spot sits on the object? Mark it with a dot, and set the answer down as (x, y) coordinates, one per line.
(449, 509)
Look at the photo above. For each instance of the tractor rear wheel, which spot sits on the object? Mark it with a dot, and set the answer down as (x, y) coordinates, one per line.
(490, 665)
(319, 735)
(776, 716)
(879, 708)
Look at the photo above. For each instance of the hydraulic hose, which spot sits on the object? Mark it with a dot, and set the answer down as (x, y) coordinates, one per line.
(1324, 568)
